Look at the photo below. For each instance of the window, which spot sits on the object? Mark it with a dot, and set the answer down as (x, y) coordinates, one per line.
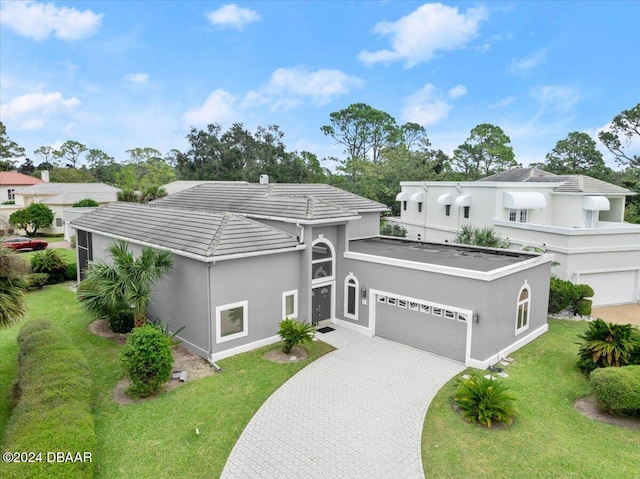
(419, 207)
(447, 210)
(58, 222)
(402, 303)
(391, 301)
(462, 317)
(404, 206)
(591, 218)
(11, 194)
(231, 321)
(425, 309)
(382, 299)
(523, 216)
(522, 312)
(466, 211)
(513, 214)
(413, 306)
(351, 288)
(436, 311)
(84, 244)
(449, 314)
(322, 259)
(290, 304)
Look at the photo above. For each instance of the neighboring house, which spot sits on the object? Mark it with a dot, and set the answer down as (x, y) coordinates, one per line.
(59, 196)
(180, 185)
(12, 180)
(248, 255)
(577, 218)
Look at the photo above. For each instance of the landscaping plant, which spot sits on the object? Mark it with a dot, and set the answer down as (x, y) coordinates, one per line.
(607, 344)
(50, 262)
(294, 332)
(485, 400)
(486, 237)
(147, 360)
(617, 389)
(562, 294)
(13, 285)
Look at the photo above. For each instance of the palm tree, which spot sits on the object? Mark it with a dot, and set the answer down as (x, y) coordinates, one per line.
(13, 286)
(125, 283)
(486, 236)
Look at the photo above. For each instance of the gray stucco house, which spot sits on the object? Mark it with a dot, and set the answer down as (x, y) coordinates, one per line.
(248, 255)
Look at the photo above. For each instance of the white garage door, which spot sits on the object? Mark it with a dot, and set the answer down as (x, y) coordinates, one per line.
(421, 325)
(611, 288)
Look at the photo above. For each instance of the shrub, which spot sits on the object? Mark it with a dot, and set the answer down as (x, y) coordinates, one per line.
(294, 332)
(49, 261)
(586, 291)
(607, 344)
(121, 322)
(582, 307)
(73, 242)
(486, 237)
(37, 280)
(485, 400)
(617, 389)
(392, 229)
(53, 410)
(562, 294)
(71, 272)
(87, 202)
(147, 360)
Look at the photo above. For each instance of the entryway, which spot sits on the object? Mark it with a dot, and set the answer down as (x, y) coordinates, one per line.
(321, 304)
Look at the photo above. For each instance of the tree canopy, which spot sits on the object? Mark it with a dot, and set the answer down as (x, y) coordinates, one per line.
(486, 151)
(624, 129)
(8, 148)
(32, 218)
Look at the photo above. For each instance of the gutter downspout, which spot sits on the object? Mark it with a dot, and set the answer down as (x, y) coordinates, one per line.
(301, 239)
(208, 283)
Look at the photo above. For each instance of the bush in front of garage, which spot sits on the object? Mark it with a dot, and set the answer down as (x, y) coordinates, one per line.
(562, 294)
(53, 408)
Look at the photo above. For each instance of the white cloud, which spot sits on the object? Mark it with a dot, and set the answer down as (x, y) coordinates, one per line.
(219, 107)
(288, 87)
(525, 65)
(232, 16)
(31, 111)
(39, 20)
(139, 78)
(425, 107)
(457, 91)
(504, 102)
(417, 37)
(555, 98)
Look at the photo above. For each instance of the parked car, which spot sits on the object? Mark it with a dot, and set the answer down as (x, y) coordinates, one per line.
(25, 243)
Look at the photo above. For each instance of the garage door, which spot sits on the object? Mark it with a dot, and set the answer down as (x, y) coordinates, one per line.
(611, 288)
(423, 326)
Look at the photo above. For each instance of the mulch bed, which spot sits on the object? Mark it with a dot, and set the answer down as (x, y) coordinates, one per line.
(277, 356)
(588, 406)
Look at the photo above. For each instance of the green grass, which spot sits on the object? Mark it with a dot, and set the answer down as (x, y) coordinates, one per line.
(156, 439)
(69, 255)
(549, 438)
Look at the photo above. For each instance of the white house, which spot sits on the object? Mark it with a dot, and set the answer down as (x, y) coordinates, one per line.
(577, 218)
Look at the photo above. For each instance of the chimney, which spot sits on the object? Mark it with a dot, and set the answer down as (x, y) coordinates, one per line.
(264, 179)
(45, 176)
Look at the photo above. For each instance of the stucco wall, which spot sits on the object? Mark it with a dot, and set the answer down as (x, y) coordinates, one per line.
(368, 225)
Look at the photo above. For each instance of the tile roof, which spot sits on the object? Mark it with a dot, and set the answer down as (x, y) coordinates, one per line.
(570, 183)
(13, 178)
(202, 233)
(305, 202)
(74, 197)
(61, 188)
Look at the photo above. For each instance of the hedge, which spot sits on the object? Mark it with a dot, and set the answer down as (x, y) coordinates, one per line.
(53, 409)
(617, 389)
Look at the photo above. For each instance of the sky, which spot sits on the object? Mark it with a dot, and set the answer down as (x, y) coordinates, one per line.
(117, 75)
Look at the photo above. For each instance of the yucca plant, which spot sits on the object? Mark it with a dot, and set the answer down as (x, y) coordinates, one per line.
(294, 332)
(485, 400)
(607, 344)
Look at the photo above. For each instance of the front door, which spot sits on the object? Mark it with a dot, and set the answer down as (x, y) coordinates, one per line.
(321, 304)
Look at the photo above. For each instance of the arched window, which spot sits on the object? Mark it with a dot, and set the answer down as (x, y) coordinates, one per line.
(322, 261)
(523, 309)
(351, 287)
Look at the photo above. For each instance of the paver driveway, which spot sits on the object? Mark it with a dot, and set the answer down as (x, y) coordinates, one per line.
(355, 413)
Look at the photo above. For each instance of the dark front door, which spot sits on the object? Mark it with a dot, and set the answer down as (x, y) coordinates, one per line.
(321, 304)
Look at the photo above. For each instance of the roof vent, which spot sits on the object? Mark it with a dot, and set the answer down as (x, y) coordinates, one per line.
(264, 179)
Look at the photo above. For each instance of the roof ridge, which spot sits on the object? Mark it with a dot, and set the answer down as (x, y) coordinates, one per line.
(215, 241)
(310, 207)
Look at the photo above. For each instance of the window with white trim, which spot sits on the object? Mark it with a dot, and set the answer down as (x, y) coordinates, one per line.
(290, 304)
(518, 215)
(351, 287)
(591, 218)
(322, 261)
(523, 308)
(447, 210)
(466, 211)
(232, 321)
(11, 194)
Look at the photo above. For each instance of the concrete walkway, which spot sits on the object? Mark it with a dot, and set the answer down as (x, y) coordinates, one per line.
(357, 412)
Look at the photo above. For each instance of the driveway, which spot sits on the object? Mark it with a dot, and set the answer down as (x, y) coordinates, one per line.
(620, 314)
(357, 412)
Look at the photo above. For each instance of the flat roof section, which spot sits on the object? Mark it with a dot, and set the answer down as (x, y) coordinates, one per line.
(454, 256)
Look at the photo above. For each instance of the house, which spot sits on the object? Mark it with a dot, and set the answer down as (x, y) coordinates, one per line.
(59, 196)
(577, 218)
(248, 255)
(11, 180)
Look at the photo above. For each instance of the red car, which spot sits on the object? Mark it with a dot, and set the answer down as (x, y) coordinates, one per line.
(25, 243)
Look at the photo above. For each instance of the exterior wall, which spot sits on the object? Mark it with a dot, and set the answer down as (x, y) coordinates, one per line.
(260, 280)
(70, 214)
(368, 225)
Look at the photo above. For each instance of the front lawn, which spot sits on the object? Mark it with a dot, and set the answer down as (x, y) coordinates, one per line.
(157, 438)
(68, 255)
(549, 438)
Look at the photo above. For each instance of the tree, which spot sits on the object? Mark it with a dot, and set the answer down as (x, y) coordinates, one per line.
(625, 127)
(576, 154)
(85, 203)
(103, 166)
(486, 236)
(47, 155)
(70, 151)
(145, 168)
(27, 167)
(486, 151)
(8, 148)
(13, 286)
(125, 283)
(32, 218)
(363, 130)
(67, 175)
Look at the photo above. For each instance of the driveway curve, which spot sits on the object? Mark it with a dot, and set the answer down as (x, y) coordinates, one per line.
(357, 412)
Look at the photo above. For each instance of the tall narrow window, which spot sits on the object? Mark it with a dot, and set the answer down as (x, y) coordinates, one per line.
(351, 287)
(420, 207)
(11, 194)
(322, 261)
(513, 215)
(522, 312)
(466, 211)
(84, 244)
(290, 304)
(404, 206)
(447, 210)
(523, 216)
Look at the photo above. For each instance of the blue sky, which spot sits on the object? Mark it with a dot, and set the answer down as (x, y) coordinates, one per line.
(124, 74)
